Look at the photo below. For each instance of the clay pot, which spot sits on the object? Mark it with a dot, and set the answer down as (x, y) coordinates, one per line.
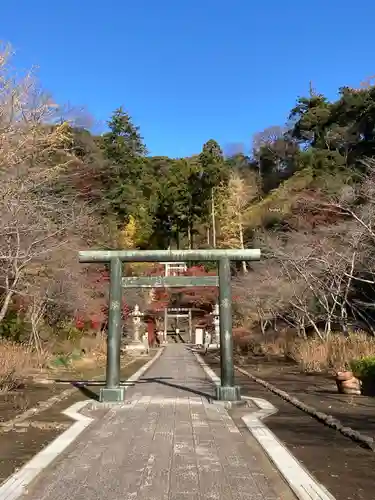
(347, 383)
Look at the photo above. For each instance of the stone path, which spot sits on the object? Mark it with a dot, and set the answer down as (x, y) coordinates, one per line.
(168, 441)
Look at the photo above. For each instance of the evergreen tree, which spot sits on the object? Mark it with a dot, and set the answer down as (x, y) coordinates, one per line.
(127, 175)
(123, 141)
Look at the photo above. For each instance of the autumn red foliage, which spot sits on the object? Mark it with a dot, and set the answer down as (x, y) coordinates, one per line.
(196, 297)
(95, 320)
(201, 298)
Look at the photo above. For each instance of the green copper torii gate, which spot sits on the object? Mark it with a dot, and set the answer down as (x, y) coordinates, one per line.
(113, 392)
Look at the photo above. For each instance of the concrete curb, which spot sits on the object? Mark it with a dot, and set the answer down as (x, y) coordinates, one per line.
(208, 370)
(138, 374)
(328, 420)
(301, 482)
(15, 486)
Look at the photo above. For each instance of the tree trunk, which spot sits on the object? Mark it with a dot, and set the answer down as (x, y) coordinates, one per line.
(178, 239)
(6, 303)
(244, 266)
(262, 327)
(9, 294)
(328, 327)
(213, 219)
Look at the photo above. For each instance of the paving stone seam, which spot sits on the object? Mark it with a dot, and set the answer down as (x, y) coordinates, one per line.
(301, 482)
(15, 486)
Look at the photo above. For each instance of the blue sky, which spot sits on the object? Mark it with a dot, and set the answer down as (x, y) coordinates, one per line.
(191, 70)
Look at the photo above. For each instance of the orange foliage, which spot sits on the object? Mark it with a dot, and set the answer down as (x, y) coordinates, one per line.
(197, 297)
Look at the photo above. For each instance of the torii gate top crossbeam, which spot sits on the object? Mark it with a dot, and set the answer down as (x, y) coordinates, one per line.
(168, 255)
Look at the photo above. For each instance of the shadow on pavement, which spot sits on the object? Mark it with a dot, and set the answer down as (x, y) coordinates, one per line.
(162, 381)
(87, 392)
(84, 386)
(91, 383)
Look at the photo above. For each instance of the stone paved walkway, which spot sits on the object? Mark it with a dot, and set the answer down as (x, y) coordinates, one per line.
(168, 442)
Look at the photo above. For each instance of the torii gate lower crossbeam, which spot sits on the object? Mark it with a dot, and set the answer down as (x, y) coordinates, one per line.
(113, 392)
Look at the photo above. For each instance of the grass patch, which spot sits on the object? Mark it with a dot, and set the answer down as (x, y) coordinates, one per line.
(15, 366)
(19, 362)
(336, 353)
(333, 354)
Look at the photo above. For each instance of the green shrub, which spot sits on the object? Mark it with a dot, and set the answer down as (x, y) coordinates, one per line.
(61, 361)
(363, 367)
(14, 327)
(68, 331)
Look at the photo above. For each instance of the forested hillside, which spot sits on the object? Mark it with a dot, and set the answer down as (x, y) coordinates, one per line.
(305, 195)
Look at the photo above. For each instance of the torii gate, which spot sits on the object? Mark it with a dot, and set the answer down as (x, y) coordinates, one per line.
(175, 269)
(113, 392)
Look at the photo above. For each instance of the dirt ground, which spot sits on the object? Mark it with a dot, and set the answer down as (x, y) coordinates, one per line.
(22, 441)
(319, 391)
(345, 469)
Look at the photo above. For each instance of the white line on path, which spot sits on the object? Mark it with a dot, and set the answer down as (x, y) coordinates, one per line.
(302, 483)
(15, 486)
